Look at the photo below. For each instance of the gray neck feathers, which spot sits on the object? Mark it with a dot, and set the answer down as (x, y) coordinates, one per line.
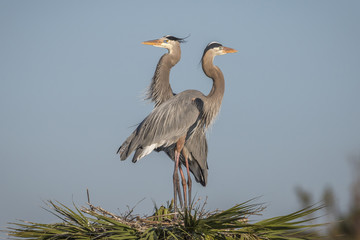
(160, 90)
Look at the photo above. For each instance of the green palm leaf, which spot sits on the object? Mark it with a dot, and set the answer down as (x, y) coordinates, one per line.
(193, 223)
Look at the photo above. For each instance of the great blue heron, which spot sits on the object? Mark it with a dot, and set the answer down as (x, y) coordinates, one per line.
(175, 121)
(159, 91)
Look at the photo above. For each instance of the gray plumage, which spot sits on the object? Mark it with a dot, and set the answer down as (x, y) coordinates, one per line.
(159, 92)
(186, 113)
(163, 127)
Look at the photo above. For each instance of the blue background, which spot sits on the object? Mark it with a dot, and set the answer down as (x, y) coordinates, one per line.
(73, 74)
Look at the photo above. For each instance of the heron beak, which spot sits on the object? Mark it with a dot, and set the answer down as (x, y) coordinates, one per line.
(155, 43)
(229, 50)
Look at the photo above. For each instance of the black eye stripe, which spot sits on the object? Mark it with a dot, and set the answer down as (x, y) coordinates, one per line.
(212, 45)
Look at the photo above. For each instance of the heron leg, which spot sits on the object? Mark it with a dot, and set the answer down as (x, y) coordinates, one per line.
(178, 189)
(176, 179)
(189, 182)
(183, 182)
(179, 146)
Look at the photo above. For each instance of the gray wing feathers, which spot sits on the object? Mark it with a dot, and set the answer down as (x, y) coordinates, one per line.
(124, 148)
(198, 149)
(169, 121)
(163, 126)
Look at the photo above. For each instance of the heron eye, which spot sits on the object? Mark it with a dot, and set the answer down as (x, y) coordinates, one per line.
(221, 47)
(165, 41)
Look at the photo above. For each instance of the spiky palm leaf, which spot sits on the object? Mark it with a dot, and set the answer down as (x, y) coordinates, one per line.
(195, 223)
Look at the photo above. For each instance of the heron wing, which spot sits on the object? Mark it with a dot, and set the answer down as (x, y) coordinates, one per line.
(166, 124)
(171, 120)
(198, 149)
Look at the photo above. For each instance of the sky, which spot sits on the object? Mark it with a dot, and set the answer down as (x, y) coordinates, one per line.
(73, 76)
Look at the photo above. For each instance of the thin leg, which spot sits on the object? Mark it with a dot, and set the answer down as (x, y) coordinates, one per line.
(176, 179)
(188, 174)
(179, 191)
(179, 146)
(183, 182)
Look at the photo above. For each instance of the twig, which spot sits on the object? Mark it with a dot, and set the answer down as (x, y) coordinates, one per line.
(130, 211)
(88, 197)
(104, 212)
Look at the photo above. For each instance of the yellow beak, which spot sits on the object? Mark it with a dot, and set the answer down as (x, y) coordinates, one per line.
(229, 50)
(156, 42)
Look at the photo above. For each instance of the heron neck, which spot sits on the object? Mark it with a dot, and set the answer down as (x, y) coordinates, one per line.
(214, 98)
(214, 72)
(160, 89)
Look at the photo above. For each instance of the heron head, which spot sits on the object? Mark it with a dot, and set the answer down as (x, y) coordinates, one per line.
(216, 49)
(167, 42)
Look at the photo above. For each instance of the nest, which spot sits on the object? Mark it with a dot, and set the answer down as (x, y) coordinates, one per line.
(94, 222)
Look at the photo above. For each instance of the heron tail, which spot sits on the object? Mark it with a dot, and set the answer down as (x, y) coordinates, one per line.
(199, 173)
(198, 149)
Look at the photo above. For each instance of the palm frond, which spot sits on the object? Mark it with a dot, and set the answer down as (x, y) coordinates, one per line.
(193, 223)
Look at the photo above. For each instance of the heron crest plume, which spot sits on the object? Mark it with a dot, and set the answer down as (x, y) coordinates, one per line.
(181, 40)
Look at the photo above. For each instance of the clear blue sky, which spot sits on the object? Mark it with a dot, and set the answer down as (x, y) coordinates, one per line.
(72, 75)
